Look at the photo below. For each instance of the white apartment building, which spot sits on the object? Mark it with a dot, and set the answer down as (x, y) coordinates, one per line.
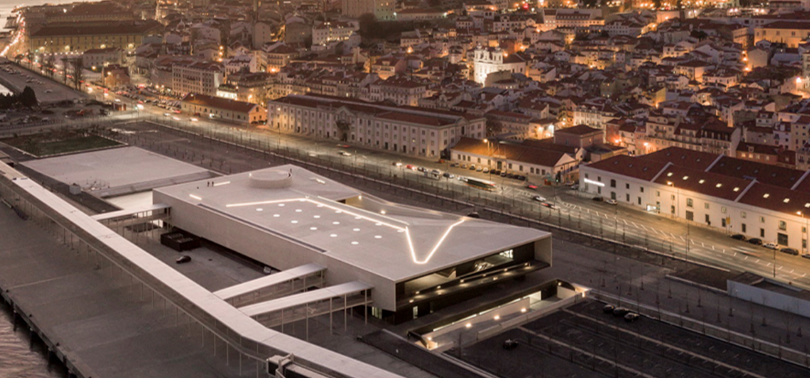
(737, 196)
(413, 131)
(198, 77)
(490, 60)
(332, 31)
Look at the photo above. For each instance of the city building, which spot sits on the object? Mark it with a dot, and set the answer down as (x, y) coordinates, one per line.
(222, 109)
(412, 261)
(91, 35)
(383, 10)
(491, 60)
(733, 195)
(535, 162)
(332, 31)
(196, 77)
(102, 57)
(404, 129)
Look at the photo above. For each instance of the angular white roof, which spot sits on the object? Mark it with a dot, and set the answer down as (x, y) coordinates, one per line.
(391, 240)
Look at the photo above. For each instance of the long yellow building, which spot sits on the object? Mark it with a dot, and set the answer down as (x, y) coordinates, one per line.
(86, 36)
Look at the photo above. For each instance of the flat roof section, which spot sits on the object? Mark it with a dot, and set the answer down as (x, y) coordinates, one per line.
(390, 240)
(267, 281)
(304, 298)
(118, 171)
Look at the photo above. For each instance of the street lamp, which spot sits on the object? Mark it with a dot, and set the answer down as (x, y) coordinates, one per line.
(804, 233)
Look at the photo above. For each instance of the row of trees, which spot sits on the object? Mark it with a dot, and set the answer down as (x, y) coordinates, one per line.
(73, 63)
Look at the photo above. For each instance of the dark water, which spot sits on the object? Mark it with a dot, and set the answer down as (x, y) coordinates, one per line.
(18, 357)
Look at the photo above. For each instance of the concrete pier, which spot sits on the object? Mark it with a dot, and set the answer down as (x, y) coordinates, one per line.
(94, 319)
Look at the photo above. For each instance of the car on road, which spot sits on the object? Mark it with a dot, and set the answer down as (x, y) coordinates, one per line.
(610, 201)
(464, 166)
(396, 164)
(738, 237)
(531, 187)
(183, 259)
(598, 199)
(631, 317)
(420, 169)
(608, 309)
(575, 187)
(790, 251)
(344, 153)
(411, 167)
(771, 245)
(755, 241)
(454, 165)
(548, 205)
(474, 214)
(193, 119)
(539, 198)
(620, 311)
(448, 175)
(806, 255)
(510, 344)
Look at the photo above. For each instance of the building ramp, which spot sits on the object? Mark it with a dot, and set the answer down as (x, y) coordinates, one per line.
(150, 209)
(302, 306)
(274, 286)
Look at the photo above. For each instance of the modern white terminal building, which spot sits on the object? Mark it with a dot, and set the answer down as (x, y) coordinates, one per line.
(406, 261)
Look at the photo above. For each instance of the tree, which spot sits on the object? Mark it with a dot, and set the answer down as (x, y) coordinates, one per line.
(494, 127)
(78, 63)
(28, 98)
(366, 21)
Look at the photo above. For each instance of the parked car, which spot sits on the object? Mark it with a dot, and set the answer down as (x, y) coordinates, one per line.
(610, 201)
(521, 177)
(575, 187)
(620, 311)
(420, 169)
(510, 344)
(448, 175)
(495, 171)
(474, 214)
(486, 170)
(806, 255)
(790, 251)
(539, 198)
(464, 166)
(503, 174)
(738, 237)
(631, 317)
(472, 167)
(756, 241)
(598, 199)
(183, 259)
(608, 309)
(454, 165)
(771, 245)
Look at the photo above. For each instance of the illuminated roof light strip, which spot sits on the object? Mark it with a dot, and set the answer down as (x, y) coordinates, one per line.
(435, 248)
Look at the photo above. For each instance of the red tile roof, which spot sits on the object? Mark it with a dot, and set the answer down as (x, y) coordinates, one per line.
(629, 166)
